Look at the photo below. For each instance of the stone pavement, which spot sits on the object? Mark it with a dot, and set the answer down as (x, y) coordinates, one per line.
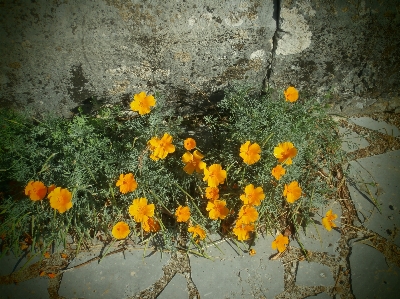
(359, 259)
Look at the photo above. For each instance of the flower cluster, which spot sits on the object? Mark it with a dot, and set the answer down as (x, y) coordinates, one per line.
(60, 199)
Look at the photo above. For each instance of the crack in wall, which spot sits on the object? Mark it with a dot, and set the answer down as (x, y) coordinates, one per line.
(276, 16)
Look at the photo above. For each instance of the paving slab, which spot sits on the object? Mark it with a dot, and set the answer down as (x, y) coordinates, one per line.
(379, 126)
(351, 141)
(236, 274)
(316, 238)
(314, 274)
(320, 296)
(117, 276)
(375, 181)
(372, 277)
(176, 288)
(35, 288)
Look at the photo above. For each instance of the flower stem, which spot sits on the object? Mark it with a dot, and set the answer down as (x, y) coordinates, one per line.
(108, 249)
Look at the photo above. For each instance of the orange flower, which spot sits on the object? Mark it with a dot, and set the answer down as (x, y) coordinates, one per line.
(142, 103)
(252, 196)
(64, 255)
(212, 193)
(217, 209)
(193, 162)
(126, 183)
(182, 214)
(46, 255)
(250, 153)
(60, 199)
(252, 252)
(51, 275)
(280, 243)
(151, 225)
(197, 231)
(214, 175)
(327, 221)
(292, 192)
(242, 231)
(284, 152)
(42, 273)
(247, 214)
(51, 188)
(161, 147)
(278, 171)
(35, 190)
(120, 230)
(291, 94)
(189, 143)
(140, 210)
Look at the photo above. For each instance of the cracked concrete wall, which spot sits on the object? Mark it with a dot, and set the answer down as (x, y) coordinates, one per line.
(348, 49)
(57, 54)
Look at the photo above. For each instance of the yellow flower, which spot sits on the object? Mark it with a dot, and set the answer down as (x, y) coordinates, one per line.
(182, 214)
(284, 152)
(60, 199)
(217, 209)
(252, 196)
(142, 103)
(278, 171)
(161, 147)
(327, 221)
(280, 243)
(291, 94)
(212, 193)
(250, 153)
(140, 210)
(35, 190)
(197, 231)
(214, 175)
(126, 183)
(189, 143)
(252, 252)
(193, 162)
(292, 192)
(247, 214)
(151, 225)
(242, 231)
(120, 230)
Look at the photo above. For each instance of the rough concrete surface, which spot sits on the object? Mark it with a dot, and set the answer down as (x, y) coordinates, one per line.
(56, 55)
(344, 49)
(358, 259)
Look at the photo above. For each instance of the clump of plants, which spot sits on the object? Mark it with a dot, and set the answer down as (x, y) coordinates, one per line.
(253, 166)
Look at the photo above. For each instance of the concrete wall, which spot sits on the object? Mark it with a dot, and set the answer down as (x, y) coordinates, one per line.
(57, 54)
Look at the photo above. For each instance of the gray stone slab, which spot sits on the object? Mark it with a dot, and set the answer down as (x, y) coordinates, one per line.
(320, 296)
(35, 288)
(316, 238)
(175, 289)
(370, 274)
(9, 263)
(379, 126)
(117, 276)
(314, 274)
(236, 274)
(377, 178)
(351, 141)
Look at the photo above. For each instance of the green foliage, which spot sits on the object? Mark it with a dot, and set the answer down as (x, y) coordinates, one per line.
(86, 154)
